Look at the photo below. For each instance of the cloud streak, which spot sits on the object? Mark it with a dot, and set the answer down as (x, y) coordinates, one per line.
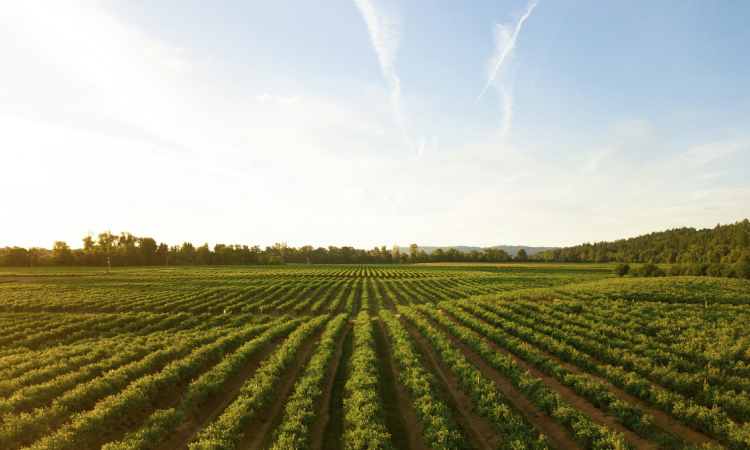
(384, 27)
(504, 44)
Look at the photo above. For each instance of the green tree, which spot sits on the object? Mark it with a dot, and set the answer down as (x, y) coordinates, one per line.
(147, 249)
(62, 255)
(413, 252)
(521, 255)
(621, 270)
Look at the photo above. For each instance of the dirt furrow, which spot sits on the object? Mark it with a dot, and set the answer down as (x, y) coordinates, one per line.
(259, 434)
(387, 301)
(575, 400)
(374, 307)
(556, 434)
(662, 420)
(479, 434)
(189, 429)
(405, 431)
(329, 423)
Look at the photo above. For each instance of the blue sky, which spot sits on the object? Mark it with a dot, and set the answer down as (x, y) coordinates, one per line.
(367, 122)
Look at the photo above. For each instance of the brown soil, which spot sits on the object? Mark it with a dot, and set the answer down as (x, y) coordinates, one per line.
(554, 432)
(342, 305)
(389, 302)
(477, 431)
(190, 428)
(662, 420)
(321, 419)
(374, 307)
(357, 300)
(568, 395)
(324, 308)
(413, 427)
(260, 432)
(290, 309)
(424, 296)
(306, 311)
(407, 290)
(400, 298)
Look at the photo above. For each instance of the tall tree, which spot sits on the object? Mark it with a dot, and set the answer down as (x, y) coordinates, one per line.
(62, 255)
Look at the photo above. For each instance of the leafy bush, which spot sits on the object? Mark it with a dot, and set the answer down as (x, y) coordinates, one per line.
(621, 270)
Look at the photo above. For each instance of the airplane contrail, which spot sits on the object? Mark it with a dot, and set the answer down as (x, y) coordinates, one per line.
(384, 27)
(505, 44)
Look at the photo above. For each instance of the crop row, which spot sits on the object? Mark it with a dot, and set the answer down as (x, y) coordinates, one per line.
(300, 410)
(487, 399)
(694, 386)
(596, 393)
(161, 423)
(228, 429)
(587, 434)
(118, 393)
(438, 430)
(713, 421)
(364, 425)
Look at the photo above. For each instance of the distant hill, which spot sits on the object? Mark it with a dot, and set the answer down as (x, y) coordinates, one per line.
(511, 249)
(723, 244)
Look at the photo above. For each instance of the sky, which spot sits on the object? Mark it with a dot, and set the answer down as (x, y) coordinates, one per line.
(371, 122)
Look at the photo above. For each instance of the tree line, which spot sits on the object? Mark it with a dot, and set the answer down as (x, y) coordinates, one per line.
(724, 244)
(128, 250)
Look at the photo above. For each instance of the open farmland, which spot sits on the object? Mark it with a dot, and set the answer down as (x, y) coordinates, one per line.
(536, 356)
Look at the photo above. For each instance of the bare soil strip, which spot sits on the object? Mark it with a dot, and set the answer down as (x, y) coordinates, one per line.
(374, 307)
(290, 308)
(324, 308)
(479, 434)
(400, 298)
(259, 434)
(575, 400)
(306, 311)
(405, 430)
(389, 302)
(329, 426)
(664, 421)
(556, 434)
(407, 289)
(357, 303)
(424, 296)
(187, 432)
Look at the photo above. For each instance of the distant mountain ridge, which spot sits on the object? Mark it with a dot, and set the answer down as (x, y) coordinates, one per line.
(511, 249)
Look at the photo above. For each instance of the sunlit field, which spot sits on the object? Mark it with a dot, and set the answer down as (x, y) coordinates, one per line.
(542, 356)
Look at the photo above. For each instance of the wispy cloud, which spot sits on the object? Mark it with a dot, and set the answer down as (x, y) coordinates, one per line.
(504, 44)
(593, 159)
(384, 25)
(505, 37)
(705, 154)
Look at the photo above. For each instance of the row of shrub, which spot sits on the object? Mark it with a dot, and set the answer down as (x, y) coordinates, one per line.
(587, 434)
(163, 422)
(438, 430)
(487, 400)
(737, 270)
(364, 415)
(598, 394)
(300, 410)
(228, 429)
(634, 379)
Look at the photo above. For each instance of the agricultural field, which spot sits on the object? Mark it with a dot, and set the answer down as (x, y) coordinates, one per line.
(514, 356)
